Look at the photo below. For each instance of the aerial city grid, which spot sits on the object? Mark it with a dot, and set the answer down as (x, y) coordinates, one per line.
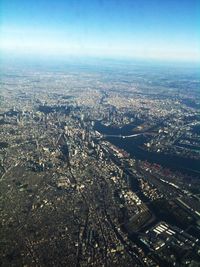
(99, 157)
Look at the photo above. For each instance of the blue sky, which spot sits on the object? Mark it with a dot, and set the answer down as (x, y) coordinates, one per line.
(152, 29)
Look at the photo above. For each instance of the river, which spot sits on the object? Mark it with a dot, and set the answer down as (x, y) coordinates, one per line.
(133, 147)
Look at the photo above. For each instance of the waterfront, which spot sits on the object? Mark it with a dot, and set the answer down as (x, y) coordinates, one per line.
(134, 147)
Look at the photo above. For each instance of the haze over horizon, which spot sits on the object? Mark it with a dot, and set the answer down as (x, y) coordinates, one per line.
(164, 30)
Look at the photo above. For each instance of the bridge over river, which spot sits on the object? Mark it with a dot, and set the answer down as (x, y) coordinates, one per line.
(122, 136)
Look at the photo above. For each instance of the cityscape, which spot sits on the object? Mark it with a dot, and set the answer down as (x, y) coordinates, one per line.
(100, 133)
(100, 168)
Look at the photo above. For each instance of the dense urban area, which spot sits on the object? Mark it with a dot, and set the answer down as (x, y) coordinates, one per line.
(99, 166)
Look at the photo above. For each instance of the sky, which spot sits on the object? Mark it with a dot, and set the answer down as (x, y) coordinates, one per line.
(146, 29)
